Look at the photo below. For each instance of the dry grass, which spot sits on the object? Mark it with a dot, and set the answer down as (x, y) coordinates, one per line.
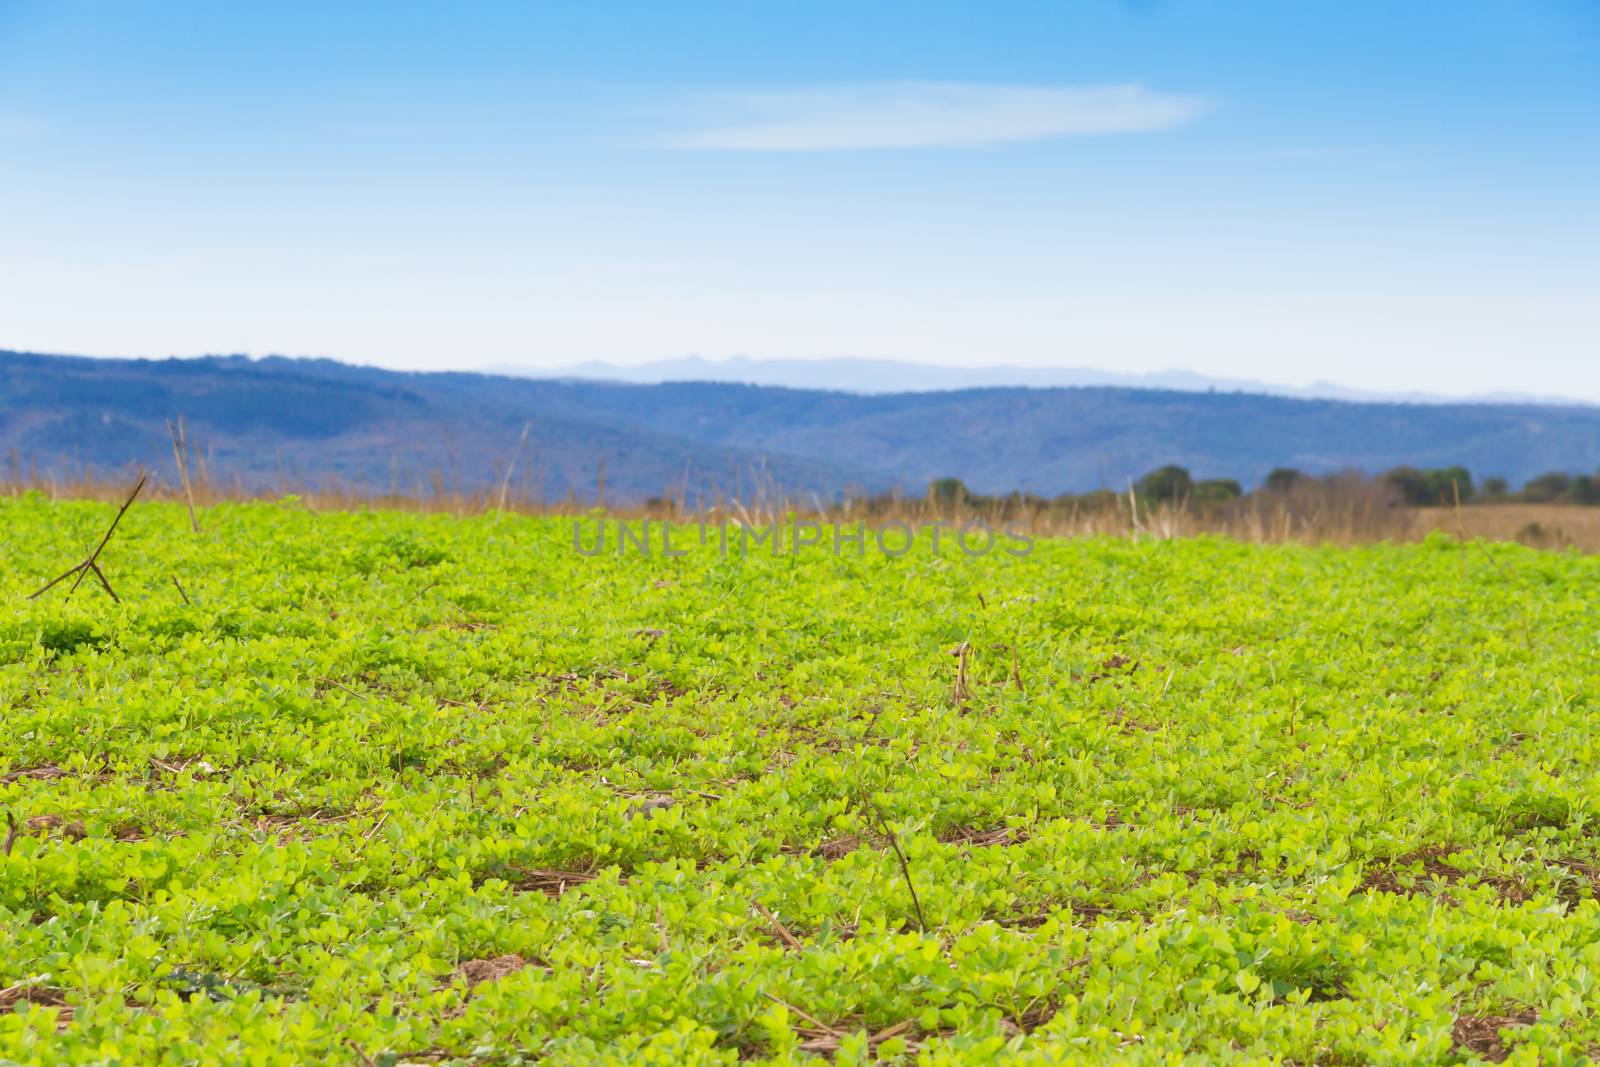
(1340, 510)
(1539, 525)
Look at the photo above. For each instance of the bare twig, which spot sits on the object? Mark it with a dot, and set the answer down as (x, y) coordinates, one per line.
(346, 688)
(180, 452)
(905, 866)
(777, 927)
(375, 828)
(1461, 535)
(511, 464)
(418, 593)
(91, 563)
(812, 1019)
(99, 574)
(57, 580)
(179, 586)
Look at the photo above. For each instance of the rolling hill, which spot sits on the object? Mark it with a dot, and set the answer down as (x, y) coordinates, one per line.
(287, 422)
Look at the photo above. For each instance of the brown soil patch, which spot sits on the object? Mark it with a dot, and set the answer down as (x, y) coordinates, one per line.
(57, 826)
(476, 972)
(44, 996)
(46, 773)
(838, 847)
(967, 837)
(1480, 1034)
(1383, 879)
(551, 882)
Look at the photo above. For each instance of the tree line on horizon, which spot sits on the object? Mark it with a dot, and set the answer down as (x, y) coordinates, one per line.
(1404, 485)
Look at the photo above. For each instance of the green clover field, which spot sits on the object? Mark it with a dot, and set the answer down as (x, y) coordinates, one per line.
(381, 788)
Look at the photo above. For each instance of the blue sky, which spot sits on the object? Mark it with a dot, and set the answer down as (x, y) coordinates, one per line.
(1391, 196)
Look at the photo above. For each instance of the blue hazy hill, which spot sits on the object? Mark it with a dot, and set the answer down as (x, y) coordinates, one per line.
(290, 422)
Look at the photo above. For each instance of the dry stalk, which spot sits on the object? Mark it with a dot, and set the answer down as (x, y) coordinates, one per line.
(91, 564)
(511, 464)
(882, 826)
(961, 692)
(777, 927)
(180, 453)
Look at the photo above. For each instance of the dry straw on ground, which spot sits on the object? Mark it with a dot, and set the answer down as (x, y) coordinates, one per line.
(1343, 509)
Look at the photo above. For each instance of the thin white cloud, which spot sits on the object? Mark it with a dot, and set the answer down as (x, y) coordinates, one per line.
(928, 115)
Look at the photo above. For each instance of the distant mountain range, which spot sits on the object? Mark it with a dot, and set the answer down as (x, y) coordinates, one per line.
(289, 422)
(890, 376)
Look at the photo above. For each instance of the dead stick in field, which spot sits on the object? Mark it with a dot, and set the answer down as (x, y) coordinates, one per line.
(419, 593)
(92, 563)
(812, 1019)
(905, 867)
(101, 576)
(180, 453)
(961, 691)
(346, 688)
(181, 593)
(777, 927)
(375, 828)
(511, 464)
(1461, 533)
